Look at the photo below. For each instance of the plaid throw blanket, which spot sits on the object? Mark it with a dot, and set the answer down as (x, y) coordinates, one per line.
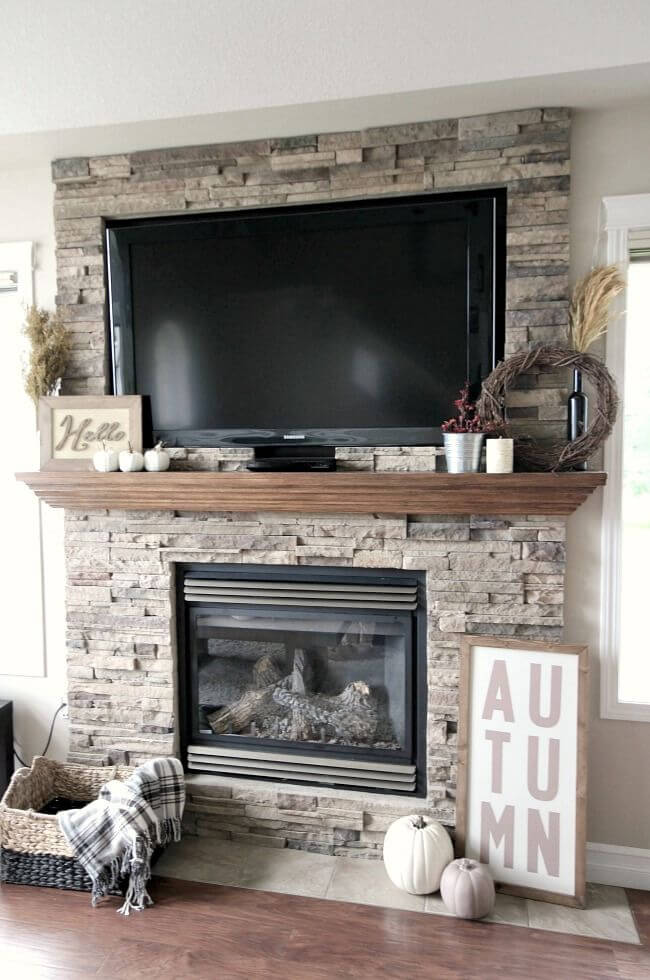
(114, 836)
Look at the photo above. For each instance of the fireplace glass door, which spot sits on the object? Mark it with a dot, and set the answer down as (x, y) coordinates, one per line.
(328, 680)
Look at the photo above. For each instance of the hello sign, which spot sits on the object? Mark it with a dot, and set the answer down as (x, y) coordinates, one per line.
(73, 428)
(521, 799)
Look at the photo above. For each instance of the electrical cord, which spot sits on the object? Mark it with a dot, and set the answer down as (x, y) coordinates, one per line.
(49, 737)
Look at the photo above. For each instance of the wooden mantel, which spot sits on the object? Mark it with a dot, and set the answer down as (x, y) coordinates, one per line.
(344, 493)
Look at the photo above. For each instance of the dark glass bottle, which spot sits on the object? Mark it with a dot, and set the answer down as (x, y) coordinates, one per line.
(578, 406)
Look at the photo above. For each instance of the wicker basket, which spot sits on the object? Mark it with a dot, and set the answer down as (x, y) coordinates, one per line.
(33, 850)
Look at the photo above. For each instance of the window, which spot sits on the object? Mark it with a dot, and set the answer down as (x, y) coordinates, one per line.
(634, 648)
(21, 586)
(625, 647)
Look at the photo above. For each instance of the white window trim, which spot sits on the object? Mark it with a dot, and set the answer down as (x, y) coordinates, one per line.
(622, 215)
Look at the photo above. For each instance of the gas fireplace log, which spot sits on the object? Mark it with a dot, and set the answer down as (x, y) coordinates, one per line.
(351, 715)
(302, 678)
(246, 709)
(266, 673)
(258, 705)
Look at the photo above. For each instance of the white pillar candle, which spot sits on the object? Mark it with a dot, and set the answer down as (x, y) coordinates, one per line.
(498, 455)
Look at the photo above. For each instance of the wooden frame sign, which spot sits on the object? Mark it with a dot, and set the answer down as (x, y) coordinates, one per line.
(73, 428)
(521, 799)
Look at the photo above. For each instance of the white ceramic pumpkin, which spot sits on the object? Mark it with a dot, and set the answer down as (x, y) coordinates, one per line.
(131, 461)
(467, 889)
(416, 851)
(105, 460)
(156, 460)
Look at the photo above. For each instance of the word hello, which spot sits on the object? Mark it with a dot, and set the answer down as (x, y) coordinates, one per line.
(79, 438)
(541, 840)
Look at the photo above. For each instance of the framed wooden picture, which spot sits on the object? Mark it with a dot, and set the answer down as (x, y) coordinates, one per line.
(522, 765)
(73, 428)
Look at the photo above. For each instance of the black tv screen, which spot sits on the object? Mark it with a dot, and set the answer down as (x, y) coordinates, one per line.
(342, 324)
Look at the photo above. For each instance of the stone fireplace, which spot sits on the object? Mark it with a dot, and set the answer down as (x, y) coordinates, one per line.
(499, 576)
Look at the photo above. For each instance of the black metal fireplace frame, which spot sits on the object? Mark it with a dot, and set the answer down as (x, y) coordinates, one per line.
(260, 742)
(416, 664)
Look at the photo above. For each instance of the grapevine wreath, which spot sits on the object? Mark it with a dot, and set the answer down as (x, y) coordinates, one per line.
(558, 455)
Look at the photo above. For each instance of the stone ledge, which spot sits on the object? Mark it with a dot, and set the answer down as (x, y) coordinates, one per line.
(295, 816)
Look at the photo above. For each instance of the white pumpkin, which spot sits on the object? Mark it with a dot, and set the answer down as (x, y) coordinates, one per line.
(416, 852)
(156, 460)
(131, 461)
(467, 889)
(105, 460)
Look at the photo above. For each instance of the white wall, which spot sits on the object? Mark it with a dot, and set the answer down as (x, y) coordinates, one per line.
(26, 215)
(610, 155)
(75, 63)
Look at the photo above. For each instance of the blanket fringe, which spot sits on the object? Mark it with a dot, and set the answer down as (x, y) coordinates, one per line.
(137, 897)
(169, 830)
(106, 881)
(136, 865)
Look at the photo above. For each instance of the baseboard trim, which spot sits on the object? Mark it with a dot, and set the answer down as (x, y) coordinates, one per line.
(611, 864)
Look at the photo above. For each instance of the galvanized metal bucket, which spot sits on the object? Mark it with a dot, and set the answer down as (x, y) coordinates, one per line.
(463, 451)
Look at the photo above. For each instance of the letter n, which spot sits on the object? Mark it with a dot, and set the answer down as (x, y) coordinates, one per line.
(541, 842)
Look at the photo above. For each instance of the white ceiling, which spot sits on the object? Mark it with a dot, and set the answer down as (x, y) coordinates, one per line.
(67, 65)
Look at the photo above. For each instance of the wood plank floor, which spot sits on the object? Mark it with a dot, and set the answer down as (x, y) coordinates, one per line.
(211, 931)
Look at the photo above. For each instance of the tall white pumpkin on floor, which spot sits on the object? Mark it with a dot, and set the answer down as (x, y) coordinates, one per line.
(416, 852)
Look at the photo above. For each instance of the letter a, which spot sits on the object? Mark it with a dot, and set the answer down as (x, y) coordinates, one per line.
(498, 694)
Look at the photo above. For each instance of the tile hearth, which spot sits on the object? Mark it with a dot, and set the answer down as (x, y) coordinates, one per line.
(607, 915)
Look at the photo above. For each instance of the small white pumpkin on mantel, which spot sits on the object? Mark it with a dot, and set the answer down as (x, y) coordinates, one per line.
(416, 851)
(156, 460)
(131, 461)
(105, 460)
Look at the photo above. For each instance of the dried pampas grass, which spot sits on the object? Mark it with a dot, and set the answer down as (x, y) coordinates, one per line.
(49, 350)
(589, 310)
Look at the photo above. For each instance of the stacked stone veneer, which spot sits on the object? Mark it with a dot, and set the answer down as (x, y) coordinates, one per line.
(497, 576)
(396, 459)
(526, 151)
(502, 577)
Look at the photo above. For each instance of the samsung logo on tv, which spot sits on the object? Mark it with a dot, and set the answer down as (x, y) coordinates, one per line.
(292, 435)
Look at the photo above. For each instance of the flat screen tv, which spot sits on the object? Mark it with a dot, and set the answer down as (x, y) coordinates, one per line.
(346, 324)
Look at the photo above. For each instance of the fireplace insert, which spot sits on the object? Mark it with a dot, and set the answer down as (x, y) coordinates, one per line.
(308, 675)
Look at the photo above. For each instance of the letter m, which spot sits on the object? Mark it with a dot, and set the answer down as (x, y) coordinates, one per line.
(499, 830)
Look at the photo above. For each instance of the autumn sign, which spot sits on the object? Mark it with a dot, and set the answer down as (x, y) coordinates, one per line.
(521, 780)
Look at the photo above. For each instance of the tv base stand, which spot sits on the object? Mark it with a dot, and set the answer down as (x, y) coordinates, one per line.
(299, 459)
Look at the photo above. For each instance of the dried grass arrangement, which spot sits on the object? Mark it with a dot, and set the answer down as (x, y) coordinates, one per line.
(589, 317)
(529, 453)
(589, 311)
(49, 350)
